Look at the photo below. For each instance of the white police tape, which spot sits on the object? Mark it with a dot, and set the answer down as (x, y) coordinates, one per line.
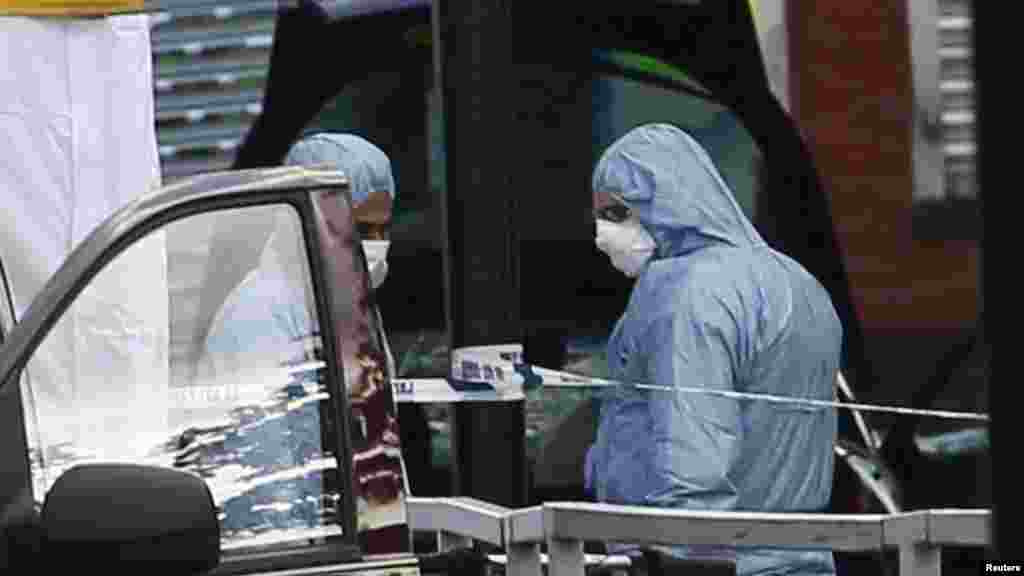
(563, 379)
(498, 374)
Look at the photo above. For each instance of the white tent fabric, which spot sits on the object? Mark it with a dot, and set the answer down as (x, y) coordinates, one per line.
(78, 142)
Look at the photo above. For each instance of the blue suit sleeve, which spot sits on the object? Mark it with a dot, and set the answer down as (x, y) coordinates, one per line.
(696, 438)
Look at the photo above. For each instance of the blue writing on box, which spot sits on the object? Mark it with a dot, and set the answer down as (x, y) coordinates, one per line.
(470, 370)
(404, 386)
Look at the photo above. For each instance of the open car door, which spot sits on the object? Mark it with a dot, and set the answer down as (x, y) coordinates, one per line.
(291, 427)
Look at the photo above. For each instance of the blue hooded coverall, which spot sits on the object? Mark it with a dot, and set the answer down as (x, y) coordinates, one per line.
(715, 307)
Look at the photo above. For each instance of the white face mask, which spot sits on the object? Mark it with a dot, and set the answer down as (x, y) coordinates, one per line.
(628, 245)
(376, 260)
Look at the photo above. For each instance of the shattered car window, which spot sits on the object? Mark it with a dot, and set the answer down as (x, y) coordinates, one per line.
(115, 381)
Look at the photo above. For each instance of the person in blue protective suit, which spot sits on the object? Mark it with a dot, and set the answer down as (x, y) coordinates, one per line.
(373, 187)
(713, 307)
(273, 290)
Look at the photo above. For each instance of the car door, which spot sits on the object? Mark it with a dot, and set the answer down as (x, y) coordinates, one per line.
(288, 414)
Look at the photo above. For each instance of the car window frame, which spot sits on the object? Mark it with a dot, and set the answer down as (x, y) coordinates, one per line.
(7, 314)
(344, 548)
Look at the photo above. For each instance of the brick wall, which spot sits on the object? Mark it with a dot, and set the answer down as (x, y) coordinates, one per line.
(851, 89)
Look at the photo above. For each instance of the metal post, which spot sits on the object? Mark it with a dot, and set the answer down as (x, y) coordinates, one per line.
(565, 558)
(524, 560)
(919, 559)
(482, 264)
(992, 93)
(447, 541)
(518, 141)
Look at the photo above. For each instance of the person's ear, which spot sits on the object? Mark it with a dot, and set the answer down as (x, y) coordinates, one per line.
(376, 209)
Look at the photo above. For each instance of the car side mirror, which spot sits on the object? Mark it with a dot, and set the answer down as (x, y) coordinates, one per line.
(115, 517)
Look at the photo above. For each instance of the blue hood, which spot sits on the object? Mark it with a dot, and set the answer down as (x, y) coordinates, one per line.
(671, 184)
(365, 164)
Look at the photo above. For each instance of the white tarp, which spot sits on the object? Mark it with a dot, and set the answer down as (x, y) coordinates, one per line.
(77, 142)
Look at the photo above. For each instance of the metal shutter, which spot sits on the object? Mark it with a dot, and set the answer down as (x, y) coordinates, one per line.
(210, 63)
(956, 86)
(943, 78)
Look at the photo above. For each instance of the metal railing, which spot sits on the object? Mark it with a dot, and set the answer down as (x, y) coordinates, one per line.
(564, 527)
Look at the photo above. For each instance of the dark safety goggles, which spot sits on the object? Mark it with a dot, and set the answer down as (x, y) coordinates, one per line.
(613, 212)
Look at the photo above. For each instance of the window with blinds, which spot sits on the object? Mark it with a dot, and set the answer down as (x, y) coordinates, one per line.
(944, 127)
(210, 61)
(956, 85)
